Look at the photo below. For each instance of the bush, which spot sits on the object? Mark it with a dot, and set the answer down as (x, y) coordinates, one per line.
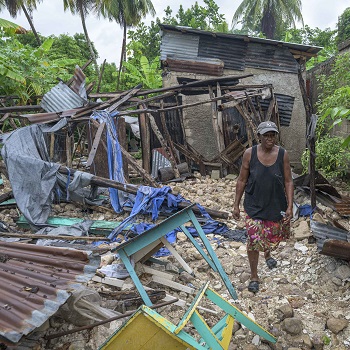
(332, 160)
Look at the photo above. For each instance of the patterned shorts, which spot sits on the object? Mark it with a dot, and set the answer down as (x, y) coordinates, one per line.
(264, 234)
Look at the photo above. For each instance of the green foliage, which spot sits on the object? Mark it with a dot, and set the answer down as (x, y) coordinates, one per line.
(144, 41)
(149, 74)
(332, 158)
(27, 71)
(343, 26)
(326, 340)
(315, 37)
(268, 17)
(199, 17)
(335, 88)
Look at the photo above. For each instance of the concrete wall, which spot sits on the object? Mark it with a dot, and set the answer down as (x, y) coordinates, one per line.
(197, 120)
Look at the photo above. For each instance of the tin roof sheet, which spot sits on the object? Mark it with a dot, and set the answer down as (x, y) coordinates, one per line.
(323, 232)
(61, 98)
(307, 49)
(35, 281)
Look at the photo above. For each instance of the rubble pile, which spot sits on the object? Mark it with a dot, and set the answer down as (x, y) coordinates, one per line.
(304, 301)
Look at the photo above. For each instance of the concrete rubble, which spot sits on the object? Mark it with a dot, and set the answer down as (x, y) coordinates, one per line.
(304, 301)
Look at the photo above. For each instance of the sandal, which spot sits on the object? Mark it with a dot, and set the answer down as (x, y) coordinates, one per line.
(271, 263)
(253, 286)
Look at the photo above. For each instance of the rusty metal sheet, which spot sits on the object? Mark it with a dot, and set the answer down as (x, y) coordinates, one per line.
(343, 207)
(42, 118)
(78, 83)
(213, 67)
(337, 249)
(35, 281)
(61, 98)
(324, 233)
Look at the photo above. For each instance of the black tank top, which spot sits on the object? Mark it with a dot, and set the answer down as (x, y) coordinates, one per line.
(265, 196)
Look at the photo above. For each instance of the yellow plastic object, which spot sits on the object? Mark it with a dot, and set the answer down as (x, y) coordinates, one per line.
(146, 332)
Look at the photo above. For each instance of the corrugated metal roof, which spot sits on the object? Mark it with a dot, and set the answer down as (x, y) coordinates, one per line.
(313, 50)
(35, 281)
(323, 232)
(174, 43)
(266, 56)
(61, 98)
(231, 51)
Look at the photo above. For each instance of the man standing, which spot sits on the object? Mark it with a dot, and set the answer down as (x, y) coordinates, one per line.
(266, 179)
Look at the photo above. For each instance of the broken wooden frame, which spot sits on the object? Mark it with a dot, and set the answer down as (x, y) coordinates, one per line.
(147, 329)
(142, 247)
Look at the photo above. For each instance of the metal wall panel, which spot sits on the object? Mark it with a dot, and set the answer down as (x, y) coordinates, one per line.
(270, 57)
(181, 45)
(231, 51)
(285, 105)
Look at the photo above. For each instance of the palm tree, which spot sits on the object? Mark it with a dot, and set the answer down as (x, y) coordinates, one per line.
(127, 13)
(267, 14)
(83, 7)
(14, 7)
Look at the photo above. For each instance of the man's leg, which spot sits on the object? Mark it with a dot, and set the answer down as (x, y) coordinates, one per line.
(253, 257)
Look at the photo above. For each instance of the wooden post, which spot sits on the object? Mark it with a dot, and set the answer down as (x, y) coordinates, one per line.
(121, 131)
(167, 134)
(309, 118)
(145, 142)
(69, 150)
(219, 113)
(219, 137)
(163, 143)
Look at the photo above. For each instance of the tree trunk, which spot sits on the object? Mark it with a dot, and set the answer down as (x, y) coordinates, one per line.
(31, 24)
(122, 54)
(92, 53)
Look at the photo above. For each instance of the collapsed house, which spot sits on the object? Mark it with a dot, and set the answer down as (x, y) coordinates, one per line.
(188, 54)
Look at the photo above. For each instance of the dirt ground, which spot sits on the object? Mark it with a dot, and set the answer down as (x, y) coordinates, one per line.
(304, 302)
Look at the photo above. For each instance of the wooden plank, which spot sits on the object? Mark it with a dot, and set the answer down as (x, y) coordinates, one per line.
(186, 317)
(115, 282)
(177, 256)
(173, 285)
(62, 237)
(164, 144)
(167, 135)
(145, 142)
(214, 110)
(158, 273)
(97, 227)
(95, 144)
(121, 131)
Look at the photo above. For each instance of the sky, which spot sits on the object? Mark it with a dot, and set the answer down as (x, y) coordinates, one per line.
(50, 18)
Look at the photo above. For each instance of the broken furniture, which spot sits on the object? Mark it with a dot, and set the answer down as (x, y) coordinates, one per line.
(148, 330)
(142, 247)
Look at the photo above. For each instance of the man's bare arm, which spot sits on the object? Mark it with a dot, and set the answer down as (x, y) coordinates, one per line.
(288, 185)
(241, 182)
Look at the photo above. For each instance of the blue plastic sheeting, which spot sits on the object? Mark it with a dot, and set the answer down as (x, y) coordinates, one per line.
(152, 200)
(148, 199)
(115, 160)
(305, 210)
